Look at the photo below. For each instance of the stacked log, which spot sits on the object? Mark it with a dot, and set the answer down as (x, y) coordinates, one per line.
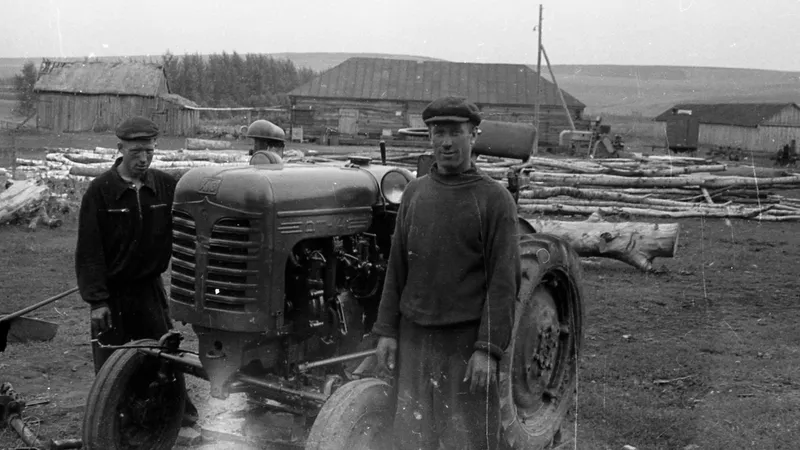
(206, 144)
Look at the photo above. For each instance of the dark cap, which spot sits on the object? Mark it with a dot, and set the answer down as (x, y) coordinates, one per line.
(137, 127)
(451, 109)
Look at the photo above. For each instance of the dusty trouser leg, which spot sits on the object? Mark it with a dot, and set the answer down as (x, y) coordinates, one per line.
(467, 421)
(414, 426)
(435, 409)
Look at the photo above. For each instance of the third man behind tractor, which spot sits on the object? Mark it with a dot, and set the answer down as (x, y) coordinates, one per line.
(266, 137)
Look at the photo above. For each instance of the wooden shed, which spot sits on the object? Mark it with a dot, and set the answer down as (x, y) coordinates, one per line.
(377, 97)
(758, 127)
(75, 96)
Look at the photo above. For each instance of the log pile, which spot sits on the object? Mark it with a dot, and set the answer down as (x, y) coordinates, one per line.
(659, 187)
(63, 163)
(641, 186)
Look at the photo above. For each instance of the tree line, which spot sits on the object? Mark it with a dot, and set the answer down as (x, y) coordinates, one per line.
(233, 80)
(23, 85)
(215, 80)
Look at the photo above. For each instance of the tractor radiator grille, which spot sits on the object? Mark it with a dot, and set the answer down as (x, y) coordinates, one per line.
(230, 268)
(183, 263)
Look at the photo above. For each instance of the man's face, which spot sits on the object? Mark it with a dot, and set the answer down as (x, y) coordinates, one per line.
(137, 155)
(452, 145)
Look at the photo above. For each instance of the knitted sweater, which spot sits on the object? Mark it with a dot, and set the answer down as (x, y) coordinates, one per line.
(454, 258)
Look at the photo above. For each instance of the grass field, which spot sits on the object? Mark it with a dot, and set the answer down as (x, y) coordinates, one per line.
(705, 353)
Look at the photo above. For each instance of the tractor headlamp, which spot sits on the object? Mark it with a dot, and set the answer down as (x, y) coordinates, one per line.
(393, 184)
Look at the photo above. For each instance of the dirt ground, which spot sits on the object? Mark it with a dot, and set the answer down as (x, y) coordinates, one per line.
(706, 354)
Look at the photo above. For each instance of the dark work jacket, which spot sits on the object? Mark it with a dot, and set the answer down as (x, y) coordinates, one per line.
(454, 258)
(123, 236)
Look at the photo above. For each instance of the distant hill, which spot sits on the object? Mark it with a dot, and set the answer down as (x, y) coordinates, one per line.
(605, 89)
(649, 90)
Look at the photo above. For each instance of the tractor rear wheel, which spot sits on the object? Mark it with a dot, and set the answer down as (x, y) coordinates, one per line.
(357, 416)
(538, 373)
(133, 403)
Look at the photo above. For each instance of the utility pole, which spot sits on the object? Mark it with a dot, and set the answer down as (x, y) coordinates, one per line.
(535, 150)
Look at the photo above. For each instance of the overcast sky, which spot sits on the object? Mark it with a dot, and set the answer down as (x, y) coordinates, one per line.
(723, 33)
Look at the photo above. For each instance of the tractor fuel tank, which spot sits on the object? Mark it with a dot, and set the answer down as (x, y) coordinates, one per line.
(505, 139)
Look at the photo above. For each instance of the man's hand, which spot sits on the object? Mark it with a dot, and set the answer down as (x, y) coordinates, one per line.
(481, 370)
(385, 353)
(101, 319)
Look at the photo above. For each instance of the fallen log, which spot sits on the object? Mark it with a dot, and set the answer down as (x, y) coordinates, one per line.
(588, 210)
(681, 181)
(27, 162)
(597, 194)
(622, 204)
(87, 158)
(206, 144)
(671, 159)
(22, 199)
(635, 243)
(682, 191)
(93, 170)
(768, 218)
(629, 171)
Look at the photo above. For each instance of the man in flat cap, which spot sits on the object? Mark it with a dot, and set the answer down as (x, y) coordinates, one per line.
(447, 307)
(125, 243)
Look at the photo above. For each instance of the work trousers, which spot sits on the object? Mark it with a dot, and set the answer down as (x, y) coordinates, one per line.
(435, 409)
(138, 311)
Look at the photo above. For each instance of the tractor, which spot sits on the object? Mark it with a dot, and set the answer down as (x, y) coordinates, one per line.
(279, 269)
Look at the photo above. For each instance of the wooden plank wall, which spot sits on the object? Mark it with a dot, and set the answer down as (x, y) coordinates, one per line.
(75, 113)
(376, 116)
(761, 140)
(86, 113)
(745, 138)
(373, 117)
(771, 138)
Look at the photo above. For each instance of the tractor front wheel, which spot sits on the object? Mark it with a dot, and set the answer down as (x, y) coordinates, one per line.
(538, 373)
(136, 401)
(357, 416)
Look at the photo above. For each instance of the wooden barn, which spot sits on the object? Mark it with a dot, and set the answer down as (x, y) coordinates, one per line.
(78, 96)
(760, 127)
(376, 97)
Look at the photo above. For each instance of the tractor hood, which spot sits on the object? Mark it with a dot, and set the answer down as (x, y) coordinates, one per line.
(280, 188)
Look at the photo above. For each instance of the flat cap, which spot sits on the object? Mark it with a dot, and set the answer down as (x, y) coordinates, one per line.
(137, 127)
(451, 109)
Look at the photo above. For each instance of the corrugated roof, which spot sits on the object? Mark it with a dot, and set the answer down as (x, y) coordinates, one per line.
(98, 77)
(738, 114)
(404, 80)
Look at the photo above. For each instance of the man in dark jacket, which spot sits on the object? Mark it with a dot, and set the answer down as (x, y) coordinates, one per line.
(125, 243)
(447, 308)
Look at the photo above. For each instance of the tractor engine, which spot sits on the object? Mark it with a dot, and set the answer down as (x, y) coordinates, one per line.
(275, 266)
